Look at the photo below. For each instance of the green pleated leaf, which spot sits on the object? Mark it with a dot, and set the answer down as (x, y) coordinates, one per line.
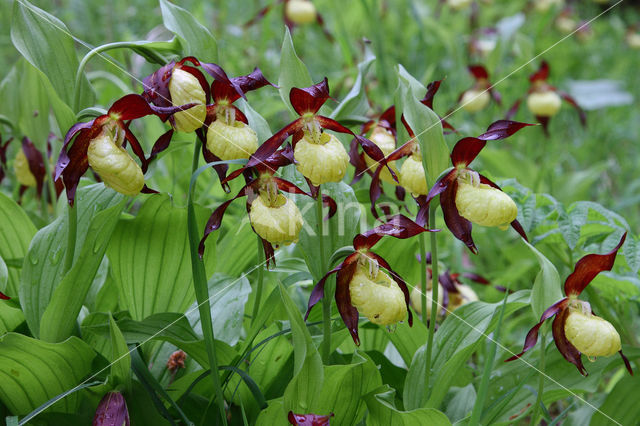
(621, 404)
(149, 258)
(100, 208)
(293, 72)
(196, 39)
(33, 120)
(547, 287)
(120, 357)
(382, 411)
(456, 340)
(16, 232)
(407, 339)
(273, 414)
(47, 44)
(10, 317)
(355, 104)
(4, 274)
(33, 371)
(228, 298)
(428, 130)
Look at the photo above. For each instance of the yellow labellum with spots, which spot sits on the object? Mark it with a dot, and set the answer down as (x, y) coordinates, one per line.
(22, 170)
(378, 297)
(412, 176)
(321, 161)
(185, 89)
(114, 165)
(278, 222)
(387, 144)
(591, 335)
(300, 12)
(230, 142)
(485, 205)
(544, 104)
(475, 100)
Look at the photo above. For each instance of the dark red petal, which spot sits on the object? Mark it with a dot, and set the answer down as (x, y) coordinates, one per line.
(441, 185)
(398, 279)
(422, 218)
(398, 226)
(79, 127)
(220, 169)
(513, 110)
(280, 158)
(520, 230)
(476, 278)
(432, 89)
(532, 335)
(309, 99)
(261, 13)
(215, 220)
(252, 81)
(329, 202)
(74, 163)
(447, 281)
(542, 74)
(459, 226)
(36, 163)
(161, 144)
(401, 194)
(545, 123)
(309, 419)
(286, 186)
(347, 311)
(129, 107)
(568, 351)
(466, 150)
(356, 158)
(146, 190)
(388, 117)
(573, 103)
(479, 72)
(626, 362)
(588, 267)
(375, 190)
(156, 86)
(273, 143)
(135, 145)
(495, 95)
(331, 124)
(269, 253)
(502, 129)
(4, 296)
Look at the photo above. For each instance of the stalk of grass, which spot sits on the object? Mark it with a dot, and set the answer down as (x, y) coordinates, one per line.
(326, 301)
(260, 283)
(434, 293)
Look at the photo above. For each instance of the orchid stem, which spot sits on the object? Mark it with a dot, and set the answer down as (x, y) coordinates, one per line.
(488, 368)
(434, 294)
(202, 290)
(72, 231)
(326, 301)
(260, 284)
(423, 278)
(50, 184)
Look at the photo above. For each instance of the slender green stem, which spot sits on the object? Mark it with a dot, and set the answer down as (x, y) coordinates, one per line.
(72, 231)
(488, 368)
(50, 185)
(423, 278)
(326, 301)
(202, 290)
(260, 283)
(536, 407)
(434, 294)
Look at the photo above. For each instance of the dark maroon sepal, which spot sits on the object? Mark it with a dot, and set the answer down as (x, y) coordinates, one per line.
(497, 97)
(130, 107)
(513, 110)
(347, 311)
(4, 296)
(388, 117)
(356, 158)
(432, 89)
(627, 364)
(280, 158)
(571, 101)
(112, 411)
(220, 169)
(568, 351)
(476, 278)
(36, 163)
(309, 99)
(252, 81)
(331, 124)
(286, 186)
(72, 164)
(466, 150)
(544, 121)
(330, 203)
(502, 129)
(459, 226)
(261, 14)
(146, 190)
(156, 86)
(160, 145)
(588, 267)
(398, 226)
(135, 145)
(269, 253)
(532, 335)
(308, 419)
(478, 72)
(440, 186)
(270, 146)
(447, 281)
(541, 74)
(375, 190)
(318, 290)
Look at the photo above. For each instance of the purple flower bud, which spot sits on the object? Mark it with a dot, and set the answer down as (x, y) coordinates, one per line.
(112, 411)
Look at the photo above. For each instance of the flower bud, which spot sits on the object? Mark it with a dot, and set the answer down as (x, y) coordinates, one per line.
(112, 411)
(591, 335)
(230, 142)
(22, 170)
(412, 176)
(464, 295)
(485, 205)
(416, 298)
(278, 221)
(387, 144)
(475, 100)
(185, 88)
(377, 296)
(544, 104)
(459, 4)
(322, 160)
(114, 165)
(300, 12)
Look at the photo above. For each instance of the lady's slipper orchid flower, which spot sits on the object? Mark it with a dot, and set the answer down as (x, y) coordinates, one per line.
(309, 419)
(544, 100)
(576, 329)
(467, 196)
(477, 97)
(632, 37)
(320, 156)
(112, 410)
(566, 22)
(483, 42)
(100, 143)
(361, 285)
(274, 218)
(294, 13)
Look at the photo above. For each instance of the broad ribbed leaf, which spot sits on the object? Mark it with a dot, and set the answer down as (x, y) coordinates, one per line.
(196, 39)
(149, 258)
(32, 372)
(10, 317)
(457, 338)
(621, 404)
(355, 103)
(293, 72)
(33, 120)
(428, 130)
(120, 357)
(382, 411)
(547, 287)
(46, 42)
(16, 232)
(100, 208)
